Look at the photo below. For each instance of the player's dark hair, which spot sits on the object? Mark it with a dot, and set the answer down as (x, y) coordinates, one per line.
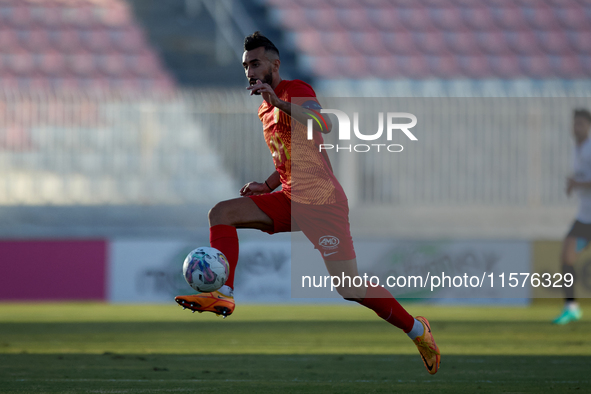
(583, 113)
(257, 40)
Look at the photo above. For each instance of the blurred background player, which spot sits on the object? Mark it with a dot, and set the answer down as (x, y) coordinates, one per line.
(318, 208)
(579, 235)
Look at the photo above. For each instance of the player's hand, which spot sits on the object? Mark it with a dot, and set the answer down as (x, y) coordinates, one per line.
(254, 189)
(266, 91)
(570, 185)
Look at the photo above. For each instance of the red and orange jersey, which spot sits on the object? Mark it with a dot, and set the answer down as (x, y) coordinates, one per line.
(306, 174)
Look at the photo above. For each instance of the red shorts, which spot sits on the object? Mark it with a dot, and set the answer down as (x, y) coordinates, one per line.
(326, 226)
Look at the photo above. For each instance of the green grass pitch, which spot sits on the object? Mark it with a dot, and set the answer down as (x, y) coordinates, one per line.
(100, 348)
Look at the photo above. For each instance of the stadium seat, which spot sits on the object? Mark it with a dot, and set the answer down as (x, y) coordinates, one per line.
(414, 17)
(400, 43)
(369, 43)
(537, 66)
(461, 42)
(572, 16)
(446, 18)
(580, 40)
(353, 18)
(51, 62)
(430, 42)
(505, 66)
(445, 66)
(540, 16)
(310, 42)
(385, 19)
(554, 42)
(96, 40)
(475, 66)
(508, 16)
(570, 66)
(8, 38)
(113, 64)
(492, 42)
(523, 42)
(66, 40)
(35, 39)
(82, 63)
(478, 17)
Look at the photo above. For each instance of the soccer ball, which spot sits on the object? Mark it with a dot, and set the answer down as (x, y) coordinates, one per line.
(206, 269)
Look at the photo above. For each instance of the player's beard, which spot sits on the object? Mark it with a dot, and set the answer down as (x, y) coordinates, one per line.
(268, 79)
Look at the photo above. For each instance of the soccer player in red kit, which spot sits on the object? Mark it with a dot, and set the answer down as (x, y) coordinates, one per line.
(313, 201)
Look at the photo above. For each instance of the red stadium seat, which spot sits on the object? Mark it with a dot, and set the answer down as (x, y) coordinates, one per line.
(414, 66)
(129, 39)
(353, 66)
(323, 19)
(143, 64)
(325, 66)
(112, 64)
(339, 43)
(20, 61)
(34, 40)
(294, 18)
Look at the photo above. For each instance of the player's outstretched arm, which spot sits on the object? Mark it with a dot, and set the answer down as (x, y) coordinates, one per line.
(256, 188)
(319, 122)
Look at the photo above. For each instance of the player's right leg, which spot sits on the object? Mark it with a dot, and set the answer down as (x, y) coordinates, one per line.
(568, 256)
(224, 219)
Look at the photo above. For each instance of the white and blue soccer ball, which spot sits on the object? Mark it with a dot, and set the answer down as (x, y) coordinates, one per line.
(206, 269)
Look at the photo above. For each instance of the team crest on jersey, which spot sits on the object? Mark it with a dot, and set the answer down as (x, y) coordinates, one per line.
(276, 114)
(328, 242)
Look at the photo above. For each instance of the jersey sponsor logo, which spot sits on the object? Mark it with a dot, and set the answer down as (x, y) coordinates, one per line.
(329, 242)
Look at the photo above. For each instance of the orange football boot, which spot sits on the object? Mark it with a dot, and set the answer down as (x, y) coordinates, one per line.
(427, 347)
(215, 302)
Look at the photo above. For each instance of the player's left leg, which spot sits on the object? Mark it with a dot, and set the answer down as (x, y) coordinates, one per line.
(378, 299)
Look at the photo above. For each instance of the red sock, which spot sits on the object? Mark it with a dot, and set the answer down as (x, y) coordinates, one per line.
(381, 302)
(225, 239)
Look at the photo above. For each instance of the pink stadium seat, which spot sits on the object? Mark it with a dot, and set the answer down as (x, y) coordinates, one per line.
(323, 19)
(143, 64)
(414, 66)
(415, 17)
(447, 18)
(338, 43)
(523, 42)
(34, 40)
(554, 42)
(354, 67)
(82, 63)
(475, 66)
(66, 40)
(112, 64)
(540, 16)
(430, 42)
(505, 66)
(354, 18)
(310, 42)
(445, 66)
(20, 61)
(580, 40)
(536, 66)
(385, 19)
(325, 66)
(570, 66)
(21, 16)
(51, 62)
(96, 40)
(478, 17)
(8, 38)
(572, 16)
(295, 19)
(129, 39)
(369, 43)
(400, 43)
(115, 14)
(508, 16)
(462, 42)
(492, 42)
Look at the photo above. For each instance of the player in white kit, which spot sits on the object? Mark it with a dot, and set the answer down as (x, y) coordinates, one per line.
(579, 235)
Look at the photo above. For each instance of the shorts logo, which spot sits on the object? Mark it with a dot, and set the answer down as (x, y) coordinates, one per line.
(329, 242)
